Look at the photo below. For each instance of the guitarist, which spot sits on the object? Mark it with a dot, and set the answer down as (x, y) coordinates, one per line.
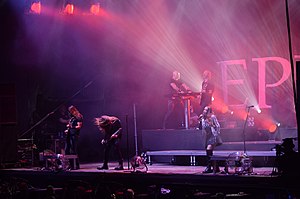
(72, 133)
(112, 129)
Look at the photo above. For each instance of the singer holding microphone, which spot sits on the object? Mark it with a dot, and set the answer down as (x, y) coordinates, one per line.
(211, 127)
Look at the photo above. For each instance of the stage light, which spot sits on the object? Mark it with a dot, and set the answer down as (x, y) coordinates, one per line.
(69, 9)
(278, 124)
(164, 191)
(224, 109)
(272, 128)
(95, 9)
(36, 7)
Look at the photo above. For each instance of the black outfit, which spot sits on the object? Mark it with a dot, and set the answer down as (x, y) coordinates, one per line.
(61, 127)
(206, 94)
(114, 127)
(72, 139)
(175, 105)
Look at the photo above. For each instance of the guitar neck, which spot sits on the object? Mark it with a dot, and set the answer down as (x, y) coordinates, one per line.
(117, 132)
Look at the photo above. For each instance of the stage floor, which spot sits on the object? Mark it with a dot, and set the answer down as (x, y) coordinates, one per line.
(155, 168)
(161, 178)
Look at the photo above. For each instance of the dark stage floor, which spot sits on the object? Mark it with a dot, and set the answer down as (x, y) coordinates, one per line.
(160, 181)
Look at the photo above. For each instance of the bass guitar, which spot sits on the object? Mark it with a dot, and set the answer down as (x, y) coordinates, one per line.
(105, 141)
(71, 125)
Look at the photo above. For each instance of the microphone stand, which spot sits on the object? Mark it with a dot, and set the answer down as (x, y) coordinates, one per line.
(246, 164)
(244, 129)
(127, 143)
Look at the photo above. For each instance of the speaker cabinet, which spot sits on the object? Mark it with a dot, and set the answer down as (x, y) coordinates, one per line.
(8, 120)
(7, 104)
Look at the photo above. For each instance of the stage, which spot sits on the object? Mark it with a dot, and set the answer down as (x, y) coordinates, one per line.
(160, 181)
(173, 169)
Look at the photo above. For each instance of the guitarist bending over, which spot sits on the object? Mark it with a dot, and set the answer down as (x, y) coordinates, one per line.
(112, 129)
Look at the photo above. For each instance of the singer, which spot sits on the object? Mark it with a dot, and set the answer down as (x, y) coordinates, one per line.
(211, 127)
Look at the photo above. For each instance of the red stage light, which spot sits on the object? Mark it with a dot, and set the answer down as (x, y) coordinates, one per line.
(36, 7)
(272, 128)
(95, 9)
(224, 109)
(69, 9)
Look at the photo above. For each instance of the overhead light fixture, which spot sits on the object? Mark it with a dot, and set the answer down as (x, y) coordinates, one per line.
(95, 9)
(36, 7)
(69, 9)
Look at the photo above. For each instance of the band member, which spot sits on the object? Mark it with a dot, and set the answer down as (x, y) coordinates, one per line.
(207, 90)
(194, 121)
(175, 103)
(211, 127)
(63, 120)
(72, 134)
(112, 129)
(287, 158)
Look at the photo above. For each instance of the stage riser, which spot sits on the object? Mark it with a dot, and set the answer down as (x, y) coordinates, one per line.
(191, 139)
(252, 146)
(202, 161)
(172, 140)
(239, 146)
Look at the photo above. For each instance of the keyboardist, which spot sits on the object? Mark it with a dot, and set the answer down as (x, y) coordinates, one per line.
(176, 88)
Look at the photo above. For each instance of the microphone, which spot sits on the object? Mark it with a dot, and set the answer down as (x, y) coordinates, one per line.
(251, 106)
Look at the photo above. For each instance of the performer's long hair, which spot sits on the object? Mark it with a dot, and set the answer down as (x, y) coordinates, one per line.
(74, 112)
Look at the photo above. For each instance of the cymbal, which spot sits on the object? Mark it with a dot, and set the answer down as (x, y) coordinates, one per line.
(20, 140)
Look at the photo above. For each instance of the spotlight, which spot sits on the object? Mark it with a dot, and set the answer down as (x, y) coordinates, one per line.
(278, 124)
(95, 9)
(272, 128)
(164, 191)
(224, 109)
(36, 7)
(69, 9)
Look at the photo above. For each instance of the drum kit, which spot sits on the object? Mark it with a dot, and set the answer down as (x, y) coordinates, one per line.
(53, 161)
(51, 158)
(138, 164)
(239, 163)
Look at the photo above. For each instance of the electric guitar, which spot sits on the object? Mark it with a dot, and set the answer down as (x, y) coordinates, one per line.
(69, 126)
(67, 131)
(113, 136)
